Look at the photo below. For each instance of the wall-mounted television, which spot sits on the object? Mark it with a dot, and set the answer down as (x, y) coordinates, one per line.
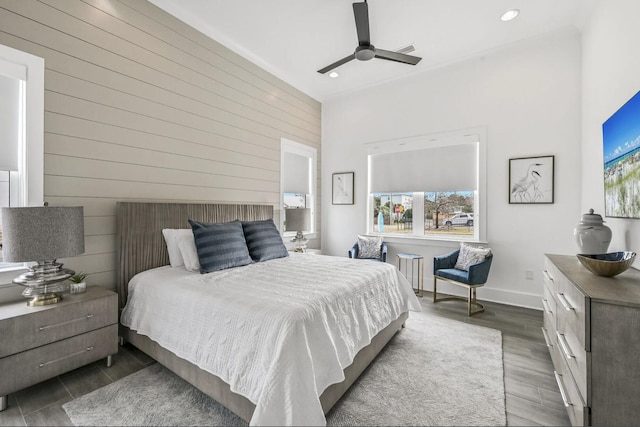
(621, 144)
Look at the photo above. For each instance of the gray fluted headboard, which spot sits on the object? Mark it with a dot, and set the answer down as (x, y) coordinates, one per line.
(140, 245)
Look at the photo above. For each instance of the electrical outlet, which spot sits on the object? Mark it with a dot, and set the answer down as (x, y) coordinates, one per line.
(528, 274)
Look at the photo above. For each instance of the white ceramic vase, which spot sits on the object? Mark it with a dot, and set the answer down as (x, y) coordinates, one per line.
(592, 236)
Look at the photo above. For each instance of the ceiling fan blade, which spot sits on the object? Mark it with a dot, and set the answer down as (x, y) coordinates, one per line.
(361, 13)
(398, 57)
(338, 63)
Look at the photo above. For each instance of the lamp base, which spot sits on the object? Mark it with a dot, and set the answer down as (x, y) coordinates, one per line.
(44, 283)
(44, 299)
(300, 241)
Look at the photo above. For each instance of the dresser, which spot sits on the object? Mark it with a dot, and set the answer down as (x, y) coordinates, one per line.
(592, 330)
(38, 343)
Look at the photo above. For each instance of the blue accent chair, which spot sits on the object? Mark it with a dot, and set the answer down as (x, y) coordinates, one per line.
(443, 269)
(353, 253)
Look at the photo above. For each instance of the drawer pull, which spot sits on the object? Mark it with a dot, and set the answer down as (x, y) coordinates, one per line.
(44, 328)
(563, 392)
(545, 334)
(564, 345)
(65, 357)
(545, 306)
(565, 303)
(547, 276)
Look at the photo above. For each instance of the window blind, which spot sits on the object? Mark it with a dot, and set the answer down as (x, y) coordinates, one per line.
(444, 168)
(296, 174)
(9, 122)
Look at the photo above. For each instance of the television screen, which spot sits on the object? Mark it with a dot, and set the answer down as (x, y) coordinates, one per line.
(621, 143)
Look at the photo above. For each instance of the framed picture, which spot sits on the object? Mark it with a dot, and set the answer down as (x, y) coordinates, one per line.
(342, 188)
(531, 180)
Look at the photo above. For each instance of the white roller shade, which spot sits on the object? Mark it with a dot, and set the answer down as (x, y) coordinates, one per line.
(296, 174)
(445, 168)
(9, 122)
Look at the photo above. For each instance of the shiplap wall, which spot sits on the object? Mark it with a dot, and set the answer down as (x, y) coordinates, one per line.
(140, 106)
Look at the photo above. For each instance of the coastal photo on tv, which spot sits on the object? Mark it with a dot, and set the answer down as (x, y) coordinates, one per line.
(621, 143)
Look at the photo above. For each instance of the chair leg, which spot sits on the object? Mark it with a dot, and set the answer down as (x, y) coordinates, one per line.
(434, 288)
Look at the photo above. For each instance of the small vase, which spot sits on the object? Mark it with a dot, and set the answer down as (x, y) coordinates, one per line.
(592, 236)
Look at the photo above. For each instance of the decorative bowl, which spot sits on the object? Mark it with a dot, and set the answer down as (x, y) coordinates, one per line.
(607, 265)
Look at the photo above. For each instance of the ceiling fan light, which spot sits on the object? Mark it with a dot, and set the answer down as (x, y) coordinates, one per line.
(509, 15)
(334, 74)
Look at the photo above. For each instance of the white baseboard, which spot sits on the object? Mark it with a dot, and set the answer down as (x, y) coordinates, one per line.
(485, 293)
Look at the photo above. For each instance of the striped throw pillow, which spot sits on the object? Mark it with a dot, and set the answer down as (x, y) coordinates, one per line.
(220, 245)
(263, 240)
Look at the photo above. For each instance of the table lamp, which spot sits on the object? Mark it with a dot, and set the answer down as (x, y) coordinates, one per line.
(42, 234)
(298, 220)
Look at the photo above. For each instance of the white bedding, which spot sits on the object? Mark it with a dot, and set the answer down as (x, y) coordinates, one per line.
(278, 332)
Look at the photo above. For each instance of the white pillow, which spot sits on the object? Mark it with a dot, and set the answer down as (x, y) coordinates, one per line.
(470, 255)
(189, 254)
(172, 237)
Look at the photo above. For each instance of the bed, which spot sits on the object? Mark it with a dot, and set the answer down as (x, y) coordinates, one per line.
(295, 370)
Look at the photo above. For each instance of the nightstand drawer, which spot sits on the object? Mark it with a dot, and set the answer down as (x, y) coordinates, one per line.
(74, 316)
(53, 359)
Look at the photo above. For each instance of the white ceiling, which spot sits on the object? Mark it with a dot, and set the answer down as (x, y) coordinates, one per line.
(293, 39)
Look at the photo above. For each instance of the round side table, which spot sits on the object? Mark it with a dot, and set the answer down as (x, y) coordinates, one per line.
(412, 267)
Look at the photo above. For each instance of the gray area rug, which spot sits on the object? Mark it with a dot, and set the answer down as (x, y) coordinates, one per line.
(434, 372)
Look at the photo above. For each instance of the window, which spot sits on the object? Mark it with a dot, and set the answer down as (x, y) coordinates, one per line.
(428, 187)
(21, 152)
(297, 180)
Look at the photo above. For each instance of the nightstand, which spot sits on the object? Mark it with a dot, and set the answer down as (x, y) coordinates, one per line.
(39, 343)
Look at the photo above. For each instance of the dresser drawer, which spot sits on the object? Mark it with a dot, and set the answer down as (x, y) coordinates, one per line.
(576, 409)
(549, 318)
(74, 316)
(574, 356)
(53, 359)
(573, 308)
(550, 275)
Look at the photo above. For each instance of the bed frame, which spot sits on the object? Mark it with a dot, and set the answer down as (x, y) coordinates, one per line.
(140, 246)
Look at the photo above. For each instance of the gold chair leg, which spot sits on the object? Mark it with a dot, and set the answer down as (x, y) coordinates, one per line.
(434, 288)
(471, 299)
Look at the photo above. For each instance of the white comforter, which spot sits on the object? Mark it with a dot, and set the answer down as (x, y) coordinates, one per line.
(279, 332)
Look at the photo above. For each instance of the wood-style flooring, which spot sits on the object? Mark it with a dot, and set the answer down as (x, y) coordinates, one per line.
(532, 396)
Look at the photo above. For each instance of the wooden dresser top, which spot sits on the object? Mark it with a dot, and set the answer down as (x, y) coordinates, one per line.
(623, 289)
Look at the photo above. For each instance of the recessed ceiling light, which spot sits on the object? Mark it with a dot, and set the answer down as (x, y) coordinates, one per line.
(334, 75)
(510, 14)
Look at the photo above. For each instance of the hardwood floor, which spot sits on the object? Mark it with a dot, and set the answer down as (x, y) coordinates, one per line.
(532, 396)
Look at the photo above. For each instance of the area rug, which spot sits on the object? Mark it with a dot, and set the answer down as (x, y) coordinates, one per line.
(434, 372)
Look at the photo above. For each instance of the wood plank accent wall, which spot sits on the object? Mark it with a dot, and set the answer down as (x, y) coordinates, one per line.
(141, 107)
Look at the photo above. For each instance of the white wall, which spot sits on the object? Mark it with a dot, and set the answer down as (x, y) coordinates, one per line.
(527, 96)
(611, 75)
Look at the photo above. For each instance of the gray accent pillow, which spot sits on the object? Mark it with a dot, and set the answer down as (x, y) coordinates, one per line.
(220, 245)
(369, 247)
(470, 255)
(263, 240)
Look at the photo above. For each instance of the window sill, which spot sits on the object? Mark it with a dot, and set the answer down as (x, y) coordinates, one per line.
(7, 274)
(449, 241)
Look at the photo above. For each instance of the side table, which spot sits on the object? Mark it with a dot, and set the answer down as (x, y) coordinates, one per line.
(38, 343)
(408, 264)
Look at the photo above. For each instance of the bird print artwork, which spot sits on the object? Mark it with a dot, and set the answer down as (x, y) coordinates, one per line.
(532, 182)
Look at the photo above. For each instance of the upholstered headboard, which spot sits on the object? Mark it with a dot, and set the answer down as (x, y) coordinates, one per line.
(140, 245)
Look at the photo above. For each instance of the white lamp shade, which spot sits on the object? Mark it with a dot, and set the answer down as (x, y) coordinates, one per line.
(298, 219)
(42, 233)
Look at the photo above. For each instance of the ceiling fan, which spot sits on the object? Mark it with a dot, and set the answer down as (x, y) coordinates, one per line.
(365, 50)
